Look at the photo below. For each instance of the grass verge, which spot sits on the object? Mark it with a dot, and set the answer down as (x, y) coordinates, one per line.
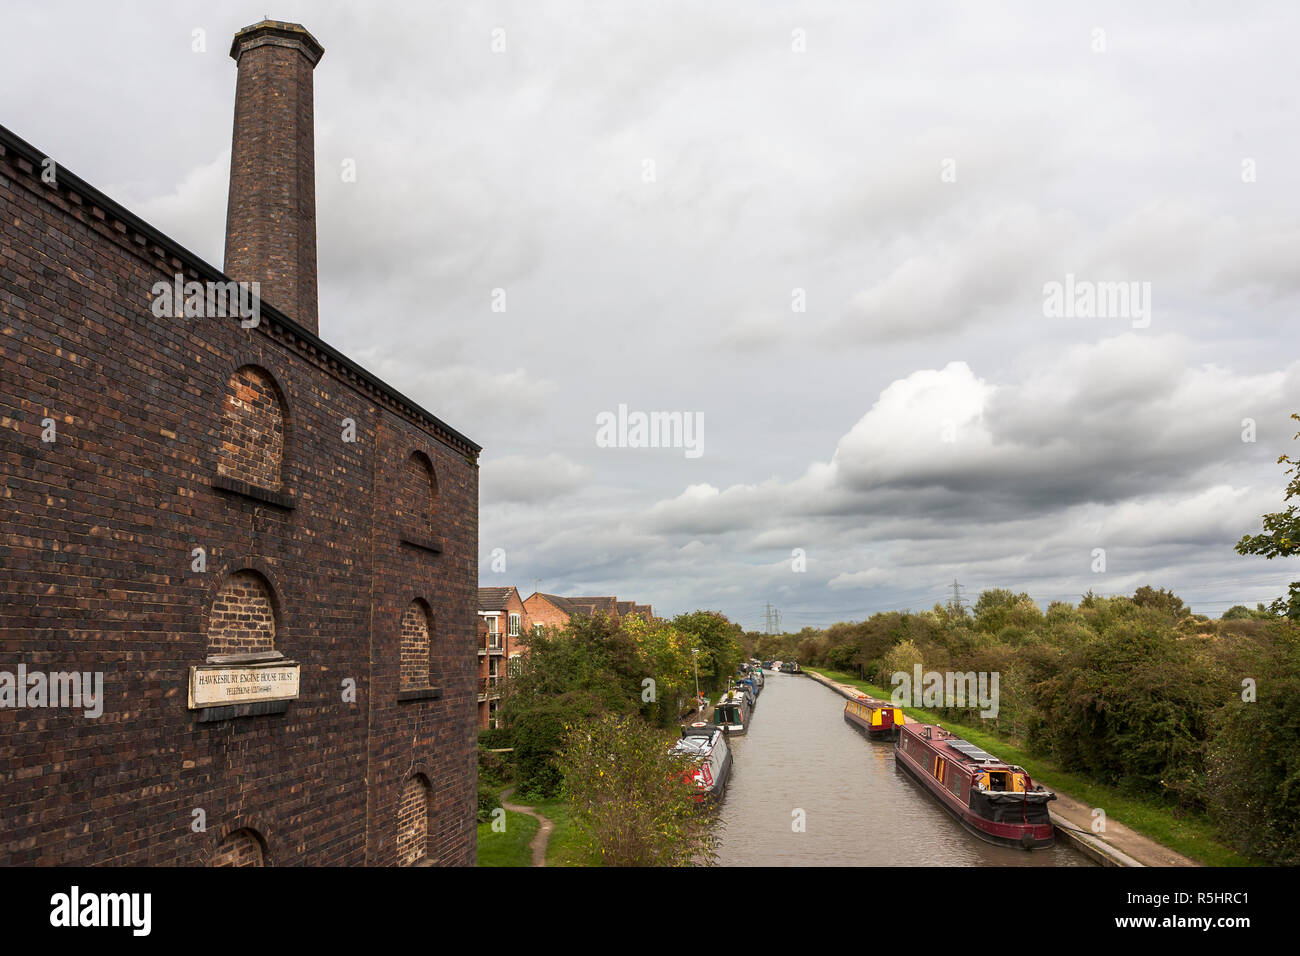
(508, 848)
(562, 850)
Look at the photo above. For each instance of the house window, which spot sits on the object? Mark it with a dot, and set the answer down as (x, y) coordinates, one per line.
(514, 625)
(516, 664)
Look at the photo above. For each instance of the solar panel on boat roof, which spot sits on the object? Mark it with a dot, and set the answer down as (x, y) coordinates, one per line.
(970, 750)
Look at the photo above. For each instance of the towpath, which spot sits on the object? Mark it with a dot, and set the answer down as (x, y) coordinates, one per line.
(545, 826)
(1118, 846)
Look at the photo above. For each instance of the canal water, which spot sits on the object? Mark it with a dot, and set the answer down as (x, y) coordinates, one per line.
(858, 808)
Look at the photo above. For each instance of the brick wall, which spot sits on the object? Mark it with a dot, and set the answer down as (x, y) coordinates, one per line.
(415, 647)
(413, 822)
(240, 848)
(242, 620)
(98, 532)
(252, 437)
(543, 612)
(271, 212)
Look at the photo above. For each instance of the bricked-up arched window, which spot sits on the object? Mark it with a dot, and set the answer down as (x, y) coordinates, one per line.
(419, 497)
(239, 848)
(252, 437)
(243, 616)
(413, 821)
(416, 630)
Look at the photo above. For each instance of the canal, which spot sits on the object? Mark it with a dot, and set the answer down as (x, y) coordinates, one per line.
(858, 809)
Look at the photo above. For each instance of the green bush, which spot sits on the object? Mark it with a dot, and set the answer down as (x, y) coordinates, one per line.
(630, 803)
(488, 801)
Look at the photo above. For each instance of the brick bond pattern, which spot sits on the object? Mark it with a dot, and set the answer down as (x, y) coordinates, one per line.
(412, 822)
(418, 497)
(243, 618)
(96, 533)
(252, 440)
(415, 647)
(271, 213)
(241, 848)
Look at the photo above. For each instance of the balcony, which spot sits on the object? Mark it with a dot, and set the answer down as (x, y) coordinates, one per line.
(489, 688)
(493, 644)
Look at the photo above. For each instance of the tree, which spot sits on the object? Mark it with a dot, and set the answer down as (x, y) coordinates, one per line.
(1253, 779)
(631, 802)
(1281, 537)
(1162, 600)
(718, 641)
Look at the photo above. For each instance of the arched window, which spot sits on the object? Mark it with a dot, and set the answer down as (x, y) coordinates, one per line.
(419, 497)
(252, 439)
(413, 821)
(240, 848)
(243, 616)
(416, 631)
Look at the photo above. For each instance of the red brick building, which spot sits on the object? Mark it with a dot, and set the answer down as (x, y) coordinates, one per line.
(502, 631)
(199, 507)
(553, 610)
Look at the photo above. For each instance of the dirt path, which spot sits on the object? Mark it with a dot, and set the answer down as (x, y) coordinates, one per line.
(1076, 816)
(543, 837)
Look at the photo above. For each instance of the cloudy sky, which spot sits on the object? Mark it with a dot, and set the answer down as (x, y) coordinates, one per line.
(825, 228)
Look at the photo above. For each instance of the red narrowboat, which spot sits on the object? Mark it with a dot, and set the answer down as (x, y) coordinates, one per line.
(878, 718)
(994, 800)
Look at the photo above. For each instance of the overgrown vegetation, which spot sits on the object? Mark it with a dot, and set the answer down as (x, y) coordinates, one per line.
(596, 666)
(630, 802)
(600, 695)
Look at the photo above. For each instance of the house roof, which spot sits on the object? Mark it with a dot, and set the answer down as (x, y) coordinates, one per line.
(583, 605)
(493, 599)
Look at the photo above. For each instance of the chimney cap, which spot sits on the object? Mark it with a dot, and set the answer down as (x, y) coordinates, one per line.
(278, 33)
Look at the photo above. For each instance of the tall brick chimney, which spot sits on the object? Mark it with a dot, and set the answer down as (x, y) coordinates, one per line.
(271, 216)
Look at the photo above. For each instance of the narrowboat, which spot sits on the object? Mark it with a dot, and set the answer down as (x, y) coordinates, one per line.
(879, 719)
(705, 746)
(747, 688)
(731, 712)
(791, 667)
(996, 801)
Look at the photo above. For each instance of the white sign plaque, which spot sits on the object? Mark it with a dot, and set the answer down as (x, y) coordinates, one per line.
(217, 685)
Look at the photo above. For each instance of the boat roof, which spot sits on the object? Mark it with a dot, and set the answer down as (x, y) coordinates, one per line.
(695, 746)
(963, 751)
(872, 701)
